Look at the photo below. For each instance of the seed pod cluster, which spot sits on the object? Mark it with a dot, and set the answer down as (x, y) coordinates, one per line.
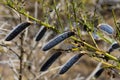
(70, 63)
(57, 40)
(50, 61)
(40, 34)
(99, 72)
(114, 46)
(19, 28)
(106, 28)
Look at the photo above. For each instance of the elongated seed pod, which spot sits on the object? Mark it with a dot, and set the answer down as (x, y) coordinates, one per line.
(19, 28)
(106, 28)
(114, 46)
(70, 63)
(40, 34)
(99, 72)
(50, 61)
(57, 40)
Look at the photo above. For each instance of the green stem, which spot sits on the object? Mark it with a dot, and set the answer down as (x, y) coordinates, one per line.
(92, 47)
(56, 10)
(32, 18)
(40, 22)
(74, 10)
(114, 17)
(93, 40)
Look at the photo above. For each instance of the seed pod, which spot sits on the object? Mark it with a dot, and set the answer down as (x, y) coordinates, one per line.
(106, 28)
(57, 40)
(50, 61)
(70, 63)
(19, 28)
(99, 72)
(40, 34)
(114, 46)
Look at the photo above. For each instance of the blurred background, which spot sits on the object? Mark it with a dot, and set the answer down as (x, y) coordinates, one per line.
(62, 14)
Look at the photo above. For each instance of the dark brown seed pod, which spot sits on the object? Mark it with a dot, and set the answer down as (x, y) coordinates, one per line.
(99, 72)
(57, 40)
(70, 63)
(40, 34)
(19, 28)
(114, 46)
(50, 61)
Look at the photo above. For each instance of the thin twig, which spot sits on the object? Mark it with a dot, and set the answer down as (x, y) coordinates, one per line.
(21, 54)
(3, 45)
(12, 66)
(93, 40)
(56, 10)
